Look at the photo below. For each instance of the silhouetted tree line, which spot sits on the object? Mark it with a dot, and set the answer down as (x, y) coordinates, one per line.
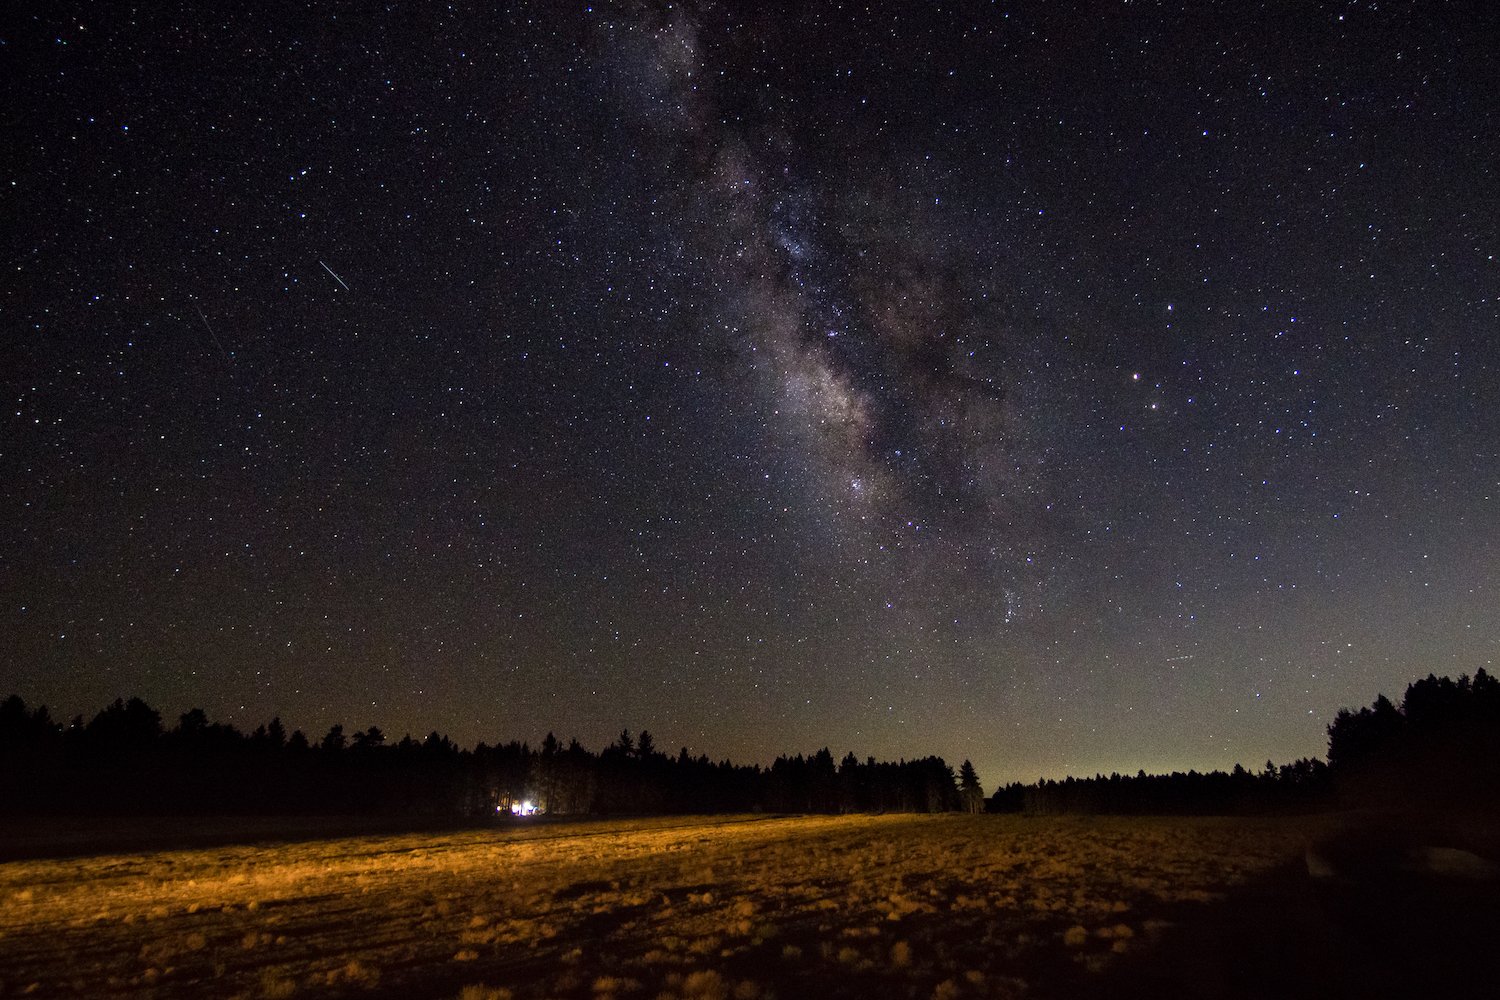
(126, 761)
(1439, 747)
(1301, 787)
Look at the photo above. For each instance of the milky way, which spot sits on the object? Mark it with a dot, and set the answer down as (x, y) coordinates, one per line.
(1067, 388)
(870, 337)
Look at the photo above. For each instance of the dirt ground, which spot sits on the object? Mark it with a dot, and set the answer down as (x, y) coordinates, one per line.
(747, 907)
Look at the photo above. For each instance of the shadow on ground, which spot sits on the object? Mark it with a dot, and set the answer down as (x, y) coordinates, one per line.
(1374, 913)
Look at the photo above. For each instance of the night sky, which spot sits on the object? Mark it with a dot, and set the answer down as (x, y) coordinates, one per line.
(1069, 387)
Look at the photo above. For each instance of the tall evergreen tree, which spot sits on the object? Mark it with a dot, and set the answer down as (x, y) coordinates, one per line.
(969, 788)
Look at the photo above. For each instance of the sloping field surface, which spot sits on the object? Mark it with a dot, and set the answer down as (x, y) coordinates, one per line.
(867, 906)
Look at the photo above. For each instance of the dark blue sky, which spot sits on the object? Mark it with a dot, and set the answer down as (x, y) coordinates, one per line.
(1067, 387)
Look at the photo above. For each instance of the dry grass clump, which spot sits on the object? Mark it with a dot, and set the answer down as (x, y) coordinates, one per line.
(706, 984)
(479, 991)
(274, 986)
(612, 987)
(353, 973)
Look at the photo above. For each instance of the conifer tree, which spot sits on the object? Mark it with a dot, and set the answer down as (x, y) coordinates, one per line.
(970, 789)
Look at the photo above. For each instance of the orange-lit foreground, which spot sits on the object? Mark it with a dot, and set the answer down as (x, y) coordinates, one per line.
(855, 906)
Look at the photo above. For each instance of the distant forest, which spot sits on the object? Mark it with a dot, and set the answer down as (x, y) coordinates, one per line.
(1441, 745)
(125, 761)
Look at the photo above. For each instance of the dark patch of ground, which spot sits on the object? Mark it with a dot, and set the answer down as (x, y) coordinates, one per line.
(1374, 924)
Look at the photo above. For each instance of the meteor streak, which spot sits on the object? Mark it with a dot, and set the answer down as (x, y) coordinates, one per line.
(336, 277)
(211, 333)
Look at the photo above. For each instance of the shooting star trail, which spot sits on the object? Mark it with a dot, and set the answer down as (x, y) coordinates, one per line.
(336, 277)
(211, 333)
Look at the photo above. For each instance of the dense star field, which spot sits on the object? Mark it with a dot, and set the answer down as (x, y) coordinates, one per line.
(1069, 387)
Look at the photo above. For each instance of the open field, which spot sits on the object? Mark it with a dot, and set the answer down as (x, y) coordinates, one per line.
(922, 906)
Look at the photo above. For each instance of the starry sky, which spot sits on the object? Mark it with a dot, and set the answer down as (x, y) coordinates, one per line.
(1071, 387)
